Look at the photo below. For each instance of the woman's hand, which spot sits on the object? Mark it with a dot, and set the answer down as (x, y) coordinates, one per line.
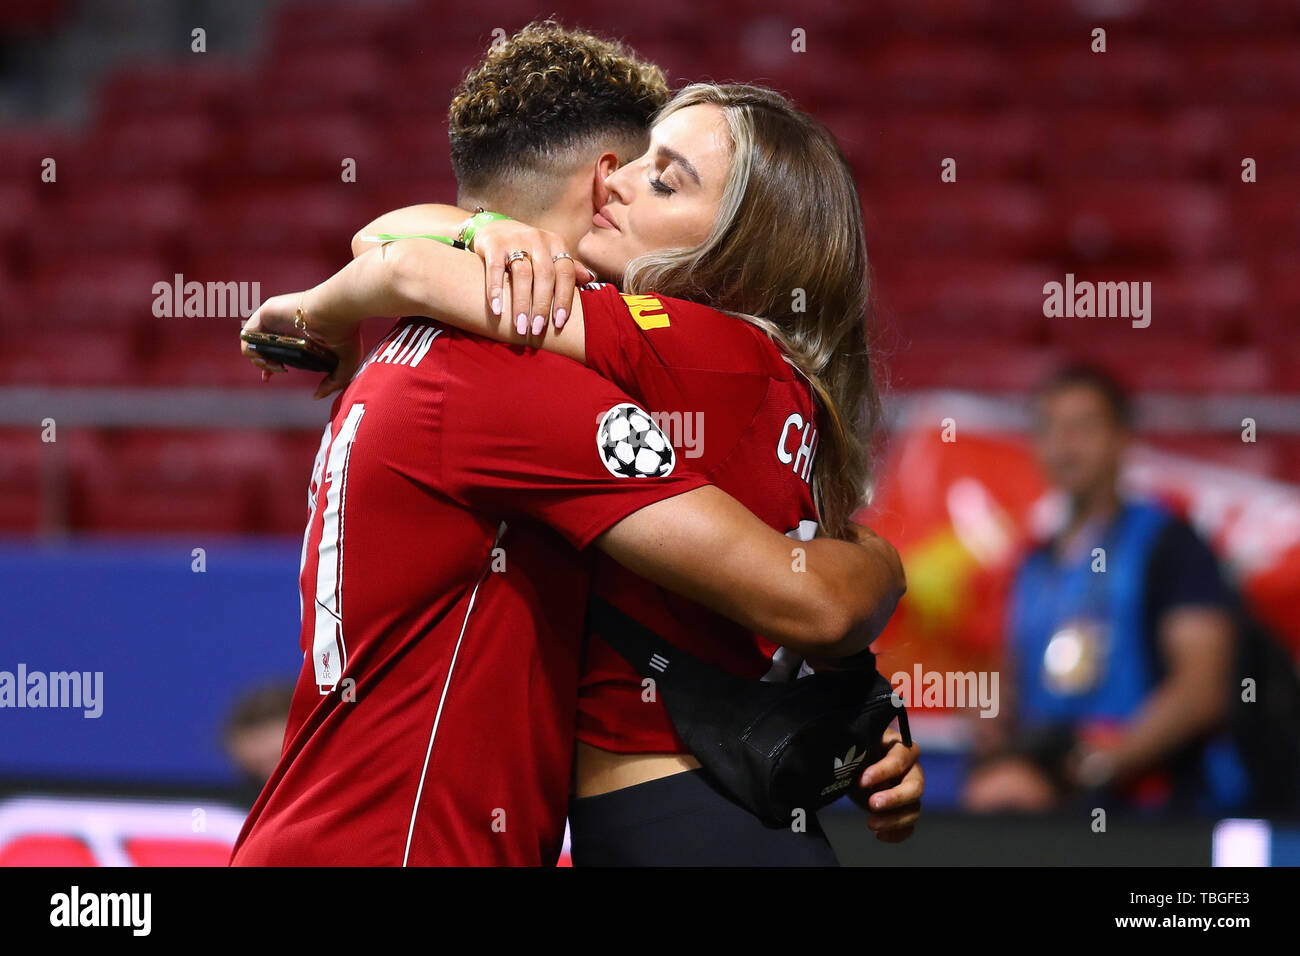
(890, 790)
(529, 289)
(276, 315)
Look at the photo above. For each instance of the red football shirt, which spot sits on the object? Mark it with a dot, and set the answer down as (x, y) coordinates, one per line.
(740, 413)
(443, 600)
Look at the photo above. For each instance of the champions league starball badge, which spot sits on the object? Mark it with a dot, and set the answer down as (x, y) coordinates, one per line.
(1075, 657)
(631, 445)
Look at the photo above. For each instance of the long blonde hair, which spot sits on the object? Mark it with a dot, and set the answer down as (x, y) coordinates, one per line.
(787, 253)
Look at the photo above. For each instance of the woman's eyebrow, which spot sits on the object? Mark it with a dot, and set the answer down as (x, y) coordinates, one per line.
(681, 161)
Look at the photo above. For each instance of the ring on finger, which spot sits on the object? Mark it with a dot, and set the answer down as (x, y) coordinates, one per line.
(516, 256)
(562, 255)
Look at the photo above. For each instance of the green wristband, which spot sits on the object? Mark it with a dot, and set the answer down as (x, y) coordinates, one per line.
(474, 223)
(394, 236)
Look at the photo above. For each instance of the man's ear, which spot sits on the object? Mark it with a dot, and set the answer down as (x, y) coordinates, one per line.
(606, 165)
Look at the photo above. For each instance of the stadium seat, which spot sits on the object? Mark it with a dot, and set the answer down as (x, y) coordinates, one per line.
(314, 25)
(1145, 364)
(53, 355)
(414, 160)
(183, 87)
(293, 219)
(112, 218)
(984, 146)
(962, 301)
(1271, 137)
(964, 364)
(24, 148)
(940, 220)
(1069, 75)
(1266, 216)
(196, 353)
(160, 482)
(907, 76)
(85, 290)
(287, 270)
(21, 474)
(304, 148)
(1133, 221)
(307, 80)
(19, 202)
(1264, 72)
(1207, 305)
(155, 148)
(1112, 144)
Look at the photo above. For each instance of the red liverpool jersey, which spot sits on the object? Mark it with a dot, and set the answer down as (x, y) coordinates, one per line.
(737, 412)
(442, 600)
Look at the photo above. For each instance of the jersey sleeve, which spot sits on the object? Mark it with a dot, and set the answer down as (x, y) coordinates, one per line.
(542, 437)
(627, 333)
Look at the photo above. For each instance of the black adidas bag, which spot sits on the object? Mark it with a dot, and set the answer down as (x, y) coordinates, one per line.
(774, 747)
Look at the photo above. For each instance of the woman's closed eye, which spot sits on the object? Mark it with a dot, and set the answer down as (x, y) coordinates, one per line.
(660, 187)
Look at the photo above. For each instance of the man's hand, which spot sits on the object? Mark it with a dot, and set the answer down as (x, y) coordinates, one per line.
(890, 790)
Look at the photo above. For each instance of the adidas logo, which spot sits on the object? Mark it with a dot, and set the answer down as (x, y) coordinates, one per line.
(659, 662)
(849, 763)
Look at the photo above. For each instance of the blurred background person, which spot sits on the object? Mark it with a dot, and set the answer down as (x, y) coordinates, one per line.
(253, 735)
(1122, 636)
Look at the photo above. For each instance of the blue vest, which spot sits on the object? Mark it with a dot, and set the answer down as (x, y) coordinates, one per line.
(1047, 595)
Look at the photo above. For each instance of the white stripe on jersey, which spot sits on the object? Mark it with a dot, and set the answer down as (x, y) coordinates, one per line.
(329, 650)
(437, 718)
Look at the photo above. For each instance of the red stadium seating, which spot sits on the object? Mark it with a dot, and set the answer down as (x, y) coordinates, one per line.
(1117, 166)
(912, 146)
(96, 290)
(119, 218)
(154, 148)
(963, 364)
(962, 301)
(1208, 306)
(942, 219)
(1159, 220)
(294, 220)
(61, 355)
(1105, 144)
(175, 87)
(1071, 76)
(1145, 364)
(166, 482)
(1263, 73)
(20, 480)
(23, 149)
(303, 148)
(306, 80)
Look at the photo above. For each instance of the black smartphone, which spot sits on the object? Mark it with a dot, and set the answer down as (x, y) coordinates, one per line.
(291, 351)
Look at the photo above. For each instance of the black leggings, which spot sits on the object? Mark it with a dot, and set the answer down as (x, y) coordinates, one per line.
(684, 820)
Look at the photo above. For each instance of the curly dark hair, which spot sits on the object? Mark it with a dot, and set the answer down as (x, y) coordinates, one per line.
(547, 88)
